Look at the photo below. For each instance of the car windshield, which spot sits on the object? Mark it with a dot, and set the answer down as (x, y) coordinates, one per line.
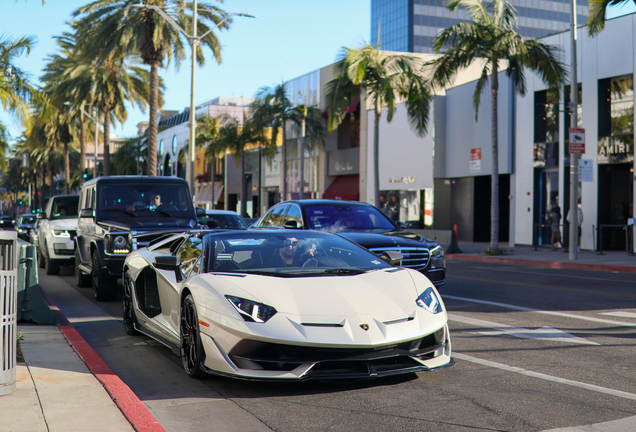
(288, 254)
(339, 217)
(27, 220)
(223, 221)
(64, 207)
(145, 199)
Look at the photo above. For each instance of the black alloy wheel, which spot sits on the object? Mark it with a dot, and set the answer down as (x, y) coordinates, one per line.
(130, 319)
(192, 354)
(81, 279)
(104, 285)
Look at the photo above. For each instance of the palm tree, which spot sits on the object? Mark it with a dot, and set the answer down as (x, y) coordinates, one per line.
(236, 137)
(209, 134)
(123, 27)
(309, 120)
(487, 40)
(130, 157)
(4, 146)
(16, 92)
(385, 79)
(273, 109)
(597, 9)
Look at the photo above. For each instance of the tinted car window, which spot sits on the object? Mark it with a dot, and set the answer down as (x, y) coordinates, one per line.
(223, 221)
(275, 217)
(64, 208)
(189, 253)
(293, 214)
(148, 198)
(346, 217)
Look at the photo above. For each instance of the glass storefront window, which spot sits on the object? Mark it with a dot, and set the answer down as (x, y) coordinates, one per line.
(616, 120)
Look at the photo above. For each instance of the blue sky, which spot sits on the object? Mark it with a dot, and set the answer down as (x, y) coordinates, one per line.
(288, 39)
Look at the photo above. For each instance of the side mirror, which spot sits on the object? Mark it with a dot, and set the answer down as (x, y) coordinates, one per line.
(401, 224)
(200, 212)
(392, 257)
(42, 215)
(290, 224)
(87, 213)
(169, 263)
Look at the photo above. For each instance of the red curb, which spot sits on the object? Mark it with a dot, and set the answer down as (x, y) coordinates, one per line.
(552, 264)
(126, 400)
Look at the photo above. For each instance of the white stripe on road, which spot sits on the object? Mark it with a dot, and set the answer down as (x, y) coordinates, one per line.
(525, 309)
(543, 333)
(543, 273)
(592, 387)
(620, 314)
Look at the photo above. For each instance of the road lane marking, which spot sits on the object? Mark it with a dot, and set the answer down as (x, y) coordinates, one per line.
(620, 314)
(545, 286)
(542, 270)
(592, 387)
(525, 309)
(543, 333)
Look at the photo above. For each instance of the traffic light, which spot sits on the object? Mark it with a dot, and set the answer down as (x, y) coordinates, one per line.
(85, 175)
(20, 202)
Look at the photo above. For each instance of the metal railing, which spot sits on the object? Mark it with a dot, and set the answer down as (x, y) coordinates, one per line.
(628, 249)
(8, 307)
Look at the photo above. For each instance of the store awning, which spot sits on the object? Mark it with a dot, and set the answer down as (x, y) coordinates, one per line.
(344, 188)
(204, 194)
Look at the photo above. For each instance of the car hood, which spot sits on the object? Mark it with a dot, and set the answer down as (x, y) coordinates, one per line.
(387, 239)
(382, 292)
(142, 224)
(63, 224)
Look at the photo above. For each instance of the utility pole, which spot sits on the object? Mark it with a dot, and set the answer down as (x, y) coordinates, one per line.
(574, 157)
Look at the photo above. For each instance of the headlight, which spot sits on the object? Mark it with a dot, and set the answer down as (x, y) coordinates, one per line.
(250, 310)
(437, 252)
(429, 301)
(117, 244)
(61, 233)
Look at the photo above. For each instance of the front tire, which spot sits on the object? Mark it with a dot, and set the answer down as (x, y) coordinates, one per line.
(192, 354)
(52, 268)
(130, 319)
(82, 280)
(104, 285)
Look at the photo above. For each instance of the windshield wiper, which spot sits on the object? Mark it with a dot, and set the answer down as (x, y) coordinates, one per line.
(129, 213)
(345, 271)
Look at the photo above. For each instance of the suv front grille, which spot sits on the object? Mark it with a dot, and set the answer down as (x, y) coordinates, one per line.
(414, 257)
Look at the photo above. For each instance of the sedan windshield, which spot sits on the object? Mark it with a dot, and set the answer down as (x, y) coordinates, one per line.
(338, 217)
(223, 221)
(288, 254)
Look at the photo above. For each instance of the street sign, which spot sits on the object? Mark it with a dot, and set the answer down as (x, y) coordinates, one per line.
(577, 141)
(475, 159)
(586, 172)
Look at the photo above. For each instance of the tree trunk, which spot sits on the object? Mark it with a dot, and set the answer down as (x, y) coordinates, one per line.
(494, 198)
(284, 164)
(82, 147)
(212, 175)
(376, 154)
(51, 180)
(107, 143)
(243, 185)
(67, 171)
(153, 126)
(302, 160)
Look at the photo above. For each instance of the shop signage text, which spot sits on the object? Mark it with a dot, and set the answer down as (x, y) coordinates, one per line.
(615, 149)
(405, 180)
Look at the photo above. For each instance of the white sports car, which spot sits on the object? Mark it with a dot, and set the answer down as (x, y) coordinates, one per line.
(284, 305)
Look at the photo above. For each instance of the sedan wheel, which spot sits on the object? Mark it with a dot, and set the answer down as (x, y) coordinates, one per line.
(52, 268)
(192, 354)
(130, 319)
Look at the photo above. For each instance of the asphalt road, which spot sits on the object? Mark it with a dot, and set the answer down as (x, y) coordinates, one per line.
(535, 349)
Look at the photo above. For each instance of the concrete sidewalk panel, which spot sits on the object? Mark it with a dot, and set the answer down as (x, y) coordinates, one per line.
(20, 411)
(70, 396)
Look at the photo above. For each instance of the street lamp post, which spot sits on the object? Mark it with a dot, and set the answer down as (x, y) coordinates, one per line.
(194, 41)
(574, 158)
(97, 123)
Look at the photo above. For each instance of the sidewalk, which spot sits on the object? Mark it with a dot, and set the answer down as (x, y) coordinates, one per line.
(65, 386)
(616, 261)
(55, 390)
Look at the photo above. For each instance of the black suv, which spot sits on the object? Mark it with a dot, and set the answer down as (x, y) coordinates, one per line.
(120, 214)
(363, 224)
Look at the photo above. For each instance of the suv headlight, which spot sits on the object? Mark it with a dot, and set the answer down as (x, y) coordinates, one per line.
(429, 301)
(117, 244)
(250, 310)
(61, 233)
